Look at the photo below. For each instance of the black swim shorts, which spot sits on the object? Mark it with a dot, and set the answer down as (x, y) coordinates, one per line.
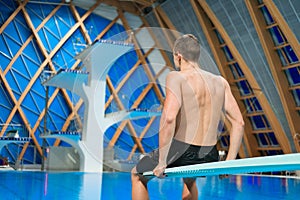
(180, 154)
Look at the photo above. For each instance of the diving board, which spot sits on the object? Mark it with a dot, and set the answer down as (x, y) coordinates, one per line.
(8, 140)
(132, 114)
(72, 80)
(71, 137)
(287, 162)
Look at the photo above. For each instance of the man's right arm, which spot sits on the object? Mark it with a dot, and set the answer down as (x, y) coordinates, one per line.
(168, 120)
(234, 115)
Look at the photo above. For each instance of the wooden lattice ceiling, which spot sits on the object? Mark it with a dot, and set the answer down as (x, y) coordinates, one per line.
(49, 31)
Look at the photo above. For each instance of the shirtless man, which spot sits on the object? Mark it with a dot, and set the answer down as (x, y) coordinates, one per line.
(195, 102)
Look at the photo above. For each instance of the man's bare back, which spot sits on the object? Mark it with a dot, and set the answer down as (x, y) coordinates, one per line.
(202, 106)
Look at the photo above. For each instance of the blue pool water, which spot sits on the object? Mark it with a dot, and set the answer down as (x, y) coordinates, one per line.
(24, 185)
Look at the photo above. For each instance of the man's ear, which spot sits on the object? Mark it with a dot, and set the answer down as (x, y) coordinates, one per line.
(179, 56)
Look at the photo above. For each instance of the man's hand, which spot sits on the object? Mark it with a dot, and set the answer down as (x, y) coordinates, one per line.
(159, 170)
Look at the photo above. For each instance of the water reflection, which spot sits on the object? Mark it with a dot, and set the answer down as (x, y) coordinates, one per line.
(50, 185)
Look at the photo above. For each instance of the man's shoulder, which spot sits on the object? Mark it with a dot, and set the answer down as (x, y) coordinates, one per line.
(214, 76)
(175, 75)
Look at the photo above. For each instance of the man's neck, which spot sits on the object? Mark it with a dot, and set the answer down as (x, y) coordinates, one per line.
(187, 66)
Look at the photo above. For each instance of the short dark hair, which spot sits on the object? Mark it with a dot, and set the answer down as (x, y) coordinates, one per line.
(188, 46)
